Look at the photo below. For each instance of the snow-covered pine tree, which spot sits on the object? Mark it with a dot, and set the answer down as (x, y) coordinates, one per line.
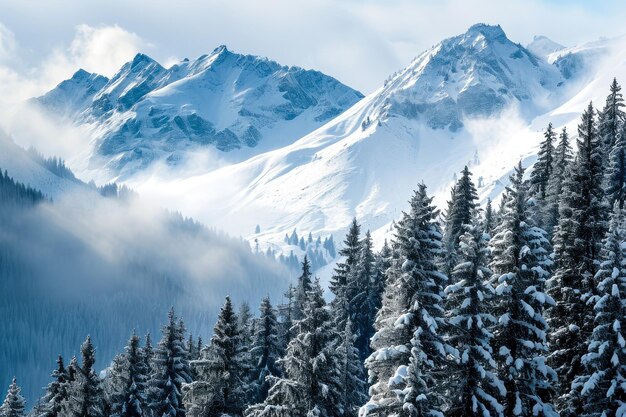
(14, 404)
(148, 350)
(56, 392)
(610, 120)
(603, 384)
(351, 376)
(170, 371)
(247, 372)
(266, 350)
(488, 220)
(540, 175)
(474, 389)
(310, 386)
(460, 211)
(405, 367)
(130, 396)
(343, 283)
(520, 265)
(382, 264)
(285, 315)
(366, 300)
(303, 286)
(615, 173)
(561, 163)
(577, 243)
(220, 387)
(85, 392)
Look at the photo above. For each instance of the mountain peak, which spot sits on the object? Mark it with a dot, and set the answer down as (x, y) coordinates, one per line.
(488, 31)
(142, 60)
(542, 46)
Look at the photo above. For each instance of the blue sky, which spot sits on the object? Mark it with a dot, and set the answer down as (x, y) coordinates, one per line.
(358, 41)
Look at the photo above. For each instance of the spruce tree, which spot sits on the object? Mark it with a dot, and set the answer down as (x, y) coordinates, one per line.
(489, 219)
(405, 367)
(610, 120)
(220, 385)
(366, 300)
(344, 283)
(520, 265)
(56, 392)
(540, 175)
(473, 385)
(130, 395)
(302, 288)
(310, 386)
(603, 384)
(266, 349)
(351, 376)
(85, 392)
(615, 174)
(14, 404)
(561, 164)
(285, 314)
(577, 243)
(170, 371)
(461, 210)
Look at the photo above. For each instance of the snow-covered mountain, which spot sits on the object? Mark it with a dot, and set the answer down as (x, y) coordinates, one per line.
(425, 123)
(240, 104)
(478, 99)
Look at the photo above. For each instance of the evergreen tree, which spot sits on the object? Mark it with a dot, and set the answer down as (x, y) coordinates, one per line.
(130, 394)
(220, 386)
(577, 243)
(170, 371)
(461, 210)
(610, 120)
(266, 349)
(404, 369)
(561, 164)
(540, 175)
(366, 301)
(344, 283)
(351, 376)
(615, 174)
(56, 392)
(489, 219)
(14, 404)
(603, 385)
(520, 264)
(474, 387)
(310, 386)
(85, 392)
(302, 288)
(285, 313)
(245, 326)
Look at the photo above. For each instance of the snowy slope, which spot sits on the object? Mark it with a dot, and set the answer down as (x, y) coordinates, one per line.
(239, 104)
(543, 46)
(467, 100)
(22, 167)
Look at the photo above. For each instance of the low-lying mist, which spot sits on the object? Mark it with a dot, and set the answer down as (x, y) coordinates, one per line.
(85, 264)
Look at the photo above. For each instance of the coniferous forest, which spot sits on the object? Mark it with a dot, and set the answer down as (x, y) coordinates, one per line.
(471, 311)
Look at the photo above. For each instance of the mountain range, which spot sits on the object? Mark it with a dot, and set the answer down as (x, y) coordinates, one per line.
(229, 101)
(299, 150)
(268, 152)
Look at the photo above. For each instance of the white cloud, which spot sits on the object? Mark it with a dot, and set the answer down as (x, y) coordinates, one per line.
(101, 49)
(96, 49)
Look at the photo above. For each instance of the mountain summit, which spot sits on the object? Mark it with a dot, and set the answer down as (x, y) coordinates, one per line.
(226, 100)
